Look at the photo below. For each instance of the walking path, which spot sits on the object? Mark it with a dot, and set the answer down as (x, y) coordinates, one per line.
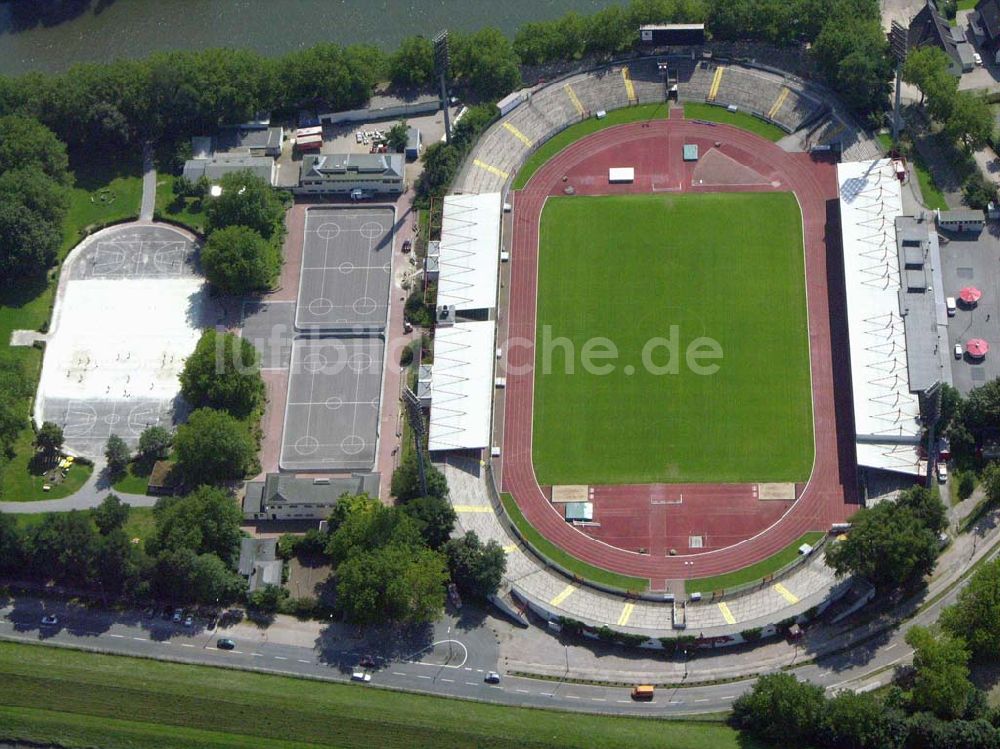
(148, 184)
(90, 495)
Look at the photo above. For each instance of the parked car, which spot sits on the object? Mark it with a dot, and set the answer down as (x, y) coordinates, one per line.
(178, 615)
(958, 350)
(407, 246)
(361, 675)
(942, 472)
(977, 58)
(224, 643)
(367, 661)
(189, 621)
(949, 302)
(50, 620)
(492, 678)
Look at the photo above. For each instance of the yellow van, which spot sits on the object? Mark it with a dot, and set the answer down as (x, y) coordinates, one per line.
(643, 692)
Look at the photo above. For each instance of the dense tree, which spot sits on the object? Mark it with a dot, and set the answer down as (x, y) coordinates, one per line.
(267, 598)
(395, 583)
(155, 442)
(979, 192)
(412, 64)
(926, 506)
(476, 568)
(207, 521)
(860, 721)
(118, 564)
(212, 581)
(117, 454)
(406, 479)
(434, 517)
(799, 704)
(941, 675)
(213, 447)
(238, 260)
(370, 529)
(29, 145)
(440, 166)
(11, 544)
(852, 54)
(28, 243)
(223, 372)
(36, 192)
(245, 200)
(111, 514)
(929, 69)
(63, 547)
(349, 505)
(485, 61)
(887, 544)
(975, 616)
(970, 121)
(49, 438)
(397, 137)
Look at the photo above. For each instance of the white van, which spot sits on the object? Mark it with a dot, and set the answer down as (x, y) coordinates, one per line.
(949, 302)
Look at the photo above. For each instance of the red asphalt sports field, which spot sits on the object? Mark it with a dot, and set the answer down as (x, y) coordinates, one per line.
(738, 529)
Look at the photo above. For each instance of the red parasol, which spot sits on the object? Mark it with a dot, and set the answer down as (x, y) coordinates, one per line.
(977, 348)
(970, 295)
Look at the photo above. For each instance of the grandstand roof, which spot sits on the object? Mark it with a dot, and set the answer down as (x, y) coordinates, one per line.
(463, 386)
(885, 411)
(470, 251)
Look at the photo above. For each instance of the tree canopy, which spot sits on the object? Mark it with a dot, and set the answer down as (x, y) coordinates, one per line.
(975, 616)
(238, 260)
(49, 438)
(412, 64)
(213, 447)
(155, 442)
(207, 521)
(117, 454)
(223, 372)
(406, 479)
(941, 680)
(111, 514)
(29, 145)
(245, 200)
(476, 568)
(434, 517)
(799, 705)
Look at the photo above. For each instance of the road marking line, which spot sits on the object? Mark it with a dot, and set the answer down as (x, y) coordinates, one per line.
(566, 593)
(523, 691)
(626, 614)
(119, 637)
(572, 697)
(726, 613)
(479, 670)
(597, 699)
(703, 699)
(423, 677)
(303, 660)
(728, 697)
(280, 658)
(140, 639)
(256, 655)
(546, 694)
(490, 168)
(518, 134)
(450, 681)
(624, 702)
(186, 645)
(472, 508)
(468, 668)
(786, 593)
(398, 673)
(472, 683)
(574, 98)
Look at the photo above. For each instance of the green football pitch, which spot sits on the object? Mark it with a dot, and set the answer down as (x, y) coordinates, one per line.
(660, 274)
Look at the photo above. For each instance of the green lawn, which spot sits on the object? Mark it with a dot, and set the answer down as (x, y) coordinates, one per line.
(697, 111)
(754, 572)
(23, 478)
(140, 523)
(567, 561)
(105, 190)
(574, 132)
(75, 699)
(654, 276)
(188, 211)
(135, 480)
(933, 197)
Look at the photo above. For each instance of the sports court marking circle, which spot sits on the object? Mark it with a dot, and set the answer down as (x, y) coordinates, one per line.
(306, 445)
(328, 230)
(352, 444)
(346, 267)
(359, 362)
(365, 305)
(320, 306)
(313, 363)
(111, 419)
(371, 229)
(333, 402)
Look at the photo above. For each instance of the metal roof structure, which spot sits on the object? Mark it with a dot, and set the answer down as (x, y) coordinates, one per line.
(886, 412)
(463, 386)
(469, 258)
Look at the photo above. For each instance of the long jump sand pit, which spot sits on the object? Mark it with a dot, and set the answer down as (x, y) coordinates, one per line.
(119, 339)
(334, 393)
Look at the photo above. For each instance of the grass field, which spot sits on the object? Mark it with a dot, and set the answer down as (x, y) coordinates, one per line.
(140, 523)
(754, 572)
(188, 211)
(564, 559)
(574, 132)
(104, 191)
(696, 111)
(726, 266)
(76, 699)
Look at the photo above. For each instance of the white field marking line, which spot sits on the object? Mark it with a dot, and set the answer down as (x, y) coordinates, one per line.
(410, 658)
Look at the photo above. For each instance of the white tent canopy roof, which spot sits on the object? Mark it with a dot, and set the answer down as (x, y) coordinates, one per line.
(470, 251)
(463, 386)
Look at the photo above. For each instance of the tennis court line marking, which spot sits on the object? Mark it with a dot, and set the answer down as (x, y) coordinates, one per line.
(574, 98)
(518, 134)
(472, 508)
(566, 593)
(626, 614)
(785, 593)
(726, 613)
(490, 168)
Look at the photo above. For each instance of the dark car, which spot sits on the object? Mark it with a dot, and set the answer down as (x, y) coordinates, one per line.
(224, 643)
(367, 661)
(407, 245)
(492, 678)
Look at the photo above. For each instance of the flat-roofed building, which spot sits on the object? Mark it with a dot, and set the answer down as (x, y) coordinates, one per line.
(331, 174)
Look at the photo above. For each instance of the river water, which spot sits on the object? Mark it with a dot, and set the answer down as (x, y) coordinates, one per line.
(101, 30)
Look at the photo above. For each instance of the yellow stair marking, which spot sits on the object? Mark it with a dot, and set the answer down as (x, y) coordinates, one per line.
(726, 613)
(841, 127)
(626, 614)
(567, 592)
(518, 134)
(472, 508)
(713, 91)
(629, 88)
(491, 169)
(778, 102)
(574, 98)
(786, 593)
(510, 548)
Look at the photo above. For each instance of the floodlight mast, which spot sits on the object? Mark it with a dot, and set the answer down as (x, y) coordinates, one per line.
(442, 61)
(898, 43)
(415, 414)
